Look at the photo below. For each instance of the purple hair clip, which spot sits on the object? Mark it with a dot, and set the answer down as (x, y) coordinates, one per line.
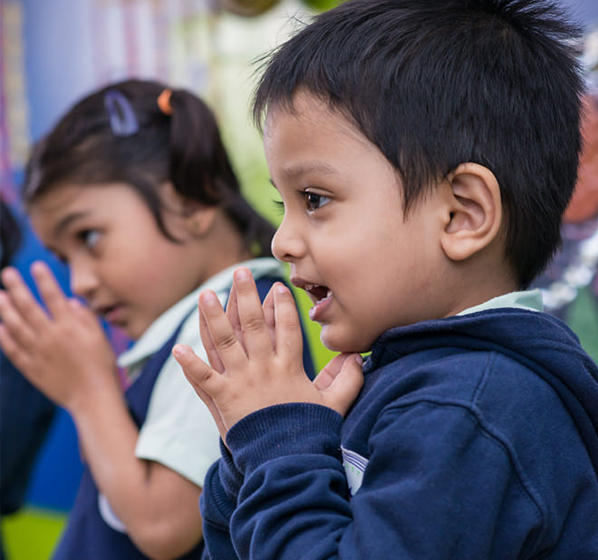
(123, 121)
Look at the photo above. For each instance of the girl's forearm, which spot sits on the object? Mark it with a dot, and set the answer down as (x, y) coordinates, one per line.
(157, 505)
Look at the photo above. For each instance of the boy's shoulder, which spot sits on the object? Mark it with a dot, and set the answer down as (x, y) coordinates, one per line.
(511, 382)
(482, 361)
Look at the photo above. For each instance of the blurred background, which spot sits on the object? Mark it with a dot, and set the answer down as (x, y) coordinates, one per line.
(53, 52)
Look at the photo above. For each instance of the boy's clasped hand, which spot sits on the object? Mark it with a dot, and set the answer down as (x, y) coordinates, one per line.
(255, 355)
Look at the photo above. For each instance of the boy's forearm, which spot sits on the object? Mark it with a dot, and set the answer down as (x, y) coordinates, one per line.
(292, 470)
(157, 505)
(295, 500)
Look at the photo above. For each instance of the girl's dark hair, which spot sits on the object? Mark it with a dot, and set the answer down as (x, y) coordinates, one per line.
(437, 83)
(10, 234)
(120, 134)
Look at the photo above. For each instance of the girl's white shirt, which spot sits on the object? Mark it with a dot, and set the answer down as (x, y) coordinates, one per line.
(179, 431)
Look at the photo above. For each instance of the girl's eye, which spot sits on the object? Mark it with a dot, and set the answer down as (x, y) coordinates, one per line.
(61, 258)
(315, 201)
(90, 237)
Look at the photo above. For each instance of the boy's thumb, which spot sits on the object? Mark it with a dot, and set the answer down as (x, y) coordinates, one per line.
(344, 388)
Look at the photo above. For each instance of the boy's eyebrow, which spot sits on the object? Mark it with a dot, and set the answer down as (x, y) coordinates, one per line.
(302, 168)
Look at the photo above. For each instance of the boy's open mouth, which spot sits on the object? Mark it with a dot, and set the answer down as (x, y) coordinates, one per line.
(317, 292)
(321, 296)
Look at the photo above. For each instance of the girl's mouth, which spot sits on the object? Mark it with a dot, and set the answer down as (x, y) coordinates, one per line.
(113, 314)
(322, 296)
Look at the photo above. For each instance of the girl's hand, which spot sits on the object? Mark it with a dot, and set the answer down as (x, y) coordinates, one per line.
(255, 357)
(64, 351)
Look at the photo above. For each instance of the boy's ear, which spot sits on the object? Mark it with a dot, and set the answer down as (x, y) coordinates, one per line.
(473, 211)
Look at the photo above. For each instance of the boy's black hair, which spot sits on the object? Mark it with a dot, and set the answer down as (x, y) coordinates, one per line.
(437, 83)
(119, 134)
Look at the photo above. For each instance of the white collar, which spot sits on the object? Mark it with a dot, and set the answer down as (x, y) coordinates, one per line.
(162, 328)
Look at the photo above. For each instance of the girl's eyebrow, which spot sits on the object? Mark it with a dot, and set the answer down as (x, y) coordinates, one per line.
(67, 221)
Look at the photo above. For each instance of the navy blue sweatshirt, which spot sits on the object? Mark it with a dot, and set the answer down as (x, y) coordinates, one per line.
(474, 437)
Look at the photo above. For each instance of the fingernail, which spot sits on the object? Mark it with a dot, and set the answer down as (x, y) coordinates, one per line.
(37, 267)
(9, 274)
(281, 289)
(178, 350)
(242, 274)
(208, 298)
(359, 360)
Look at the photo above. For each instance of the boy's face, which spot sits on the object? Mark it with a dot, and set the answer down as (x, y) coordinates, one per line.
(365, 267)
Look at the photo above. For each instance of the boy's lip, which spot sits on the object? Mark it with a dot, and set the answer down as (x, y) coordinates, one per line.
(321, 295)
(316, 312)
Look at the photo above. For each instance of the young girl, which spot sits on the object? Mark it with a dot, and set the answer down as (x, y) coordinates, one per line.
(134, 190)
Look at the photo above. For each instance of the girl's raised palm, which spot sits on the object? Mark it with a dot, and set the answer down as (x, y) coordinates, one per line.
(63, 351)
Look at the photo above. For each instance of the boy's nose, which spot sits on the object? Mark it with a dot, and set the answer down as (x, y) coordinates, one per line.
(287, 243)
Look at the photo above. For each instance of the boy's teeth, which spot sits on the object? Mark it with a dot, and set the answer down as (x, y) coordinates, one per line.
(328, 294)
(312, 289)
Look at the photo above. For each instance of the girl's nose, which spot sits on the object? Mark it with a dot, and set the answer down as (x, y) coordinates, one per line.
(288, 244)
(83, 280)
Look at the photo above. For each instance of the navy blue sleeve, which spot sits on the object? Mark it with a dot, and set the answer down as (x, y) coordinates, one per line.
(437, 485)
(217, 506)
(224, 480)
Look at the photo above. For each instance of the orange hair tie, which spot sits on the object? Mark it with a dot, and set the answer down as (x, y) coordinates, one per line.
(164, 101)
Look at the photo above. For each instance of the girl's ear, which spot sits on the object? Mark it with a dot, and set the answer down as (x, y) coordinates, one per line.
(473, 212)
(196, 218)
(201, 219)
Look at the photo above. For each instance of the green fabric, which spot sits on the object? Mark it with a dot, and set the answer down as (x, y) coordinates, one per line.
(31, 534)
(582, 317)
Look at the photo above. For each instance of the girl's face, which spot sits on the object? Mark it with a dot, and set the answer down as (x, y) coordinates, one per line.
(120, 262)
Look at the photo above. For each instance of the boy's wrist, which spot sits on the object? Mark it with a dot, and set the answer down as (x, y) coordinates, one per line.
(230, 476)
(281, 430)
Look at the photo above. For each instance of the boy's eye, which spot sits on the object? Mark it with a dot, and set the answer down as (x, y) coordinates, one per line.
(315, 201)
(279, 205)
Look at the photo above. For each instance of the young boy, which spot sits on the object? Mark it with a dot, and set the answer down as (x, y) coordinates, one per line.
(424, 151)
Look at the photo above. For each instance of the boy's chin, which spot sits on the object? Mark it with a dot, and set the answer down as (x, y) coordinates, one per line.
(343, 342)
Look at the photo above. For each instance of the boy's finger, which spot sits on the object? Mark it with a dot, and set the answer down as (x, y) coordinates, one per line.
(202, 377)
(51, 293)
(345, 386)
(208, 344)
(214, 411)
(256, 337)
(325, 378)
(23, 301)
(268, 307)
(232, 312)
(229, 349)
(289, 340)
